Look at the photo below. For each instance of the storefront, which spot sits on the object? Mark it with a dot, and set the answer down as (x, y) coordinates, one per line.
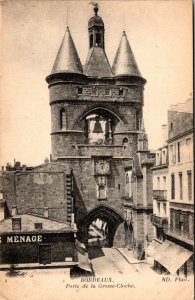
(170, 257)
(49, 242)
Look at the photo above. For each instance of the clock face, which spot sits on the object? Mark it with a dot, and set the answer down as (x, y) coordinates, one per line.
(102, 167)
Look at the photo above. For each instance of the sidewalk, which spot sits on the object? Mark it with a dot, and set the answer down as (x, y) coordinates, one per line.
(144, 266)
(128, 255)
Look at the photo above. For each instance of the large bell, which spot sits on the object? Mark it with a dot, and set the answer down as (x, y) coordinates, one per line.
(97, 126)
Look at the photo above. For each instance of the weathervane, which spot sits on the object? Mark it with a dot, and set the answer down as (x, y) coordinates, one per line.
(96, 6)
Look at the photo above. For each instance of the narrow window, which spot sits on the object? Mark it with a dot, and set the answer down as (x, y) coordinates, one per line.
(125, 143)
(188, 150)
(163, 157)
(178, 151)
(180, 186)
(107, 92)
(80, 90)
(172, 154)
(62, 119)
(127, 185)
(137, 120)
(172, 186)
(158, 183)
(91, 41)
(102, 188)
(164, 210)
(189, 174)
(98, 40)
(158, 159)
(158, 208)
(164, 183)
(121, 92)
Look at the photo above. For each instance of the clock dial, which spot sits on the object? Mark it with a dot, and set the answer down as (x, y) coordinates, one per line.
(102, 167)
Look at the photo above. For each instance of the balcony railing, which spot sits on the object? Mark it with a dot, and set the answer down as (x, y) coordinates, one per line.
(160, 194)
(180, 233)
(159, 221)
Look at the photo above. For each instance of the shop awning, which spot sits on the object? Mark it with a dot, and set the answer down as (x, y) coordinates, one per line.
(153, 248)
(169, 255)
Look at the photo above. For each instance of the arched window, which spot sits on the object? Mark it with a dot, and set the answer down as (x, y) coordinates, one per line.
(125, 143)
(63, 121)
(91, 41)
(137, 117)
(98, 39)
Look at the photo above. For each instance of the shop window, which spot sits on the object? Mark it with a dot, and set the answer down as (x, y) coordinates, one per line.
(172, 186)
(38, 226)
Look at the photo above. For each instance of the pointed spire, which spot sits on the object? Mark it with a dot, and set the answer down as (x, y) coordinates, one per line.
(124, 63)
(67, 60)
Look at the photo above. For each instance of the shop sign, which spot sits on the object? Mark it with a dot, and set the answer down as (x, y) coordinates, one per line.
(11, 239)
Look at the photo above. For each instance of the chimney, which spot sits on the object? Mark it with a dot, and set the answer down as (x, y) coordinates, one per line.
(46, 212)
(2, 207)
(14, 210)
(164, 133)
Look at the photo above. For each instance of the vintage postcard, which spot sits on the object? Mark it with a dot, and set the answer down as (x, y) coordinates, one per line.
(96, 153)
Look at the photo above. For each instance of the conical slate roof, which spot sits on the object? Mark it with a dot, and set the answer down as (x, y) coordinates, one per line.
(97, 64)
(124, 63)
(67, 60)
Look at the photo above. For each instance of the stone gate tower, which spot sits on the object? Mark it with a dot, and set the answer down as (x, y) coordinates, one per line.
(96, 117)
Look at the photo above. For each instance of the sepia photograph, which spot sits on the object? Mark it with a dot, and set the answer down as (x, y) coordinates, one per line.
(96, 150)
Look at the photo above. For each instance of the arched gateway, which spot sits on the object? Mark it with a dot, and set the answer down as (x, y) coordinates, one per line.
(104, 221)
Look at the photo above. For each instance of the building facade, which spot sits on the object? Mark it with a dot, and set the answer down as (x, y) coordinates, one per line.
(100, 166)
(173, 204)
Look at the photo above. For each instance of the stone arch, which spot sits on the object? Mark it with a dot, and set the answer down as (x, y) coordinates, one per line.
(107, 214)
(87, 111)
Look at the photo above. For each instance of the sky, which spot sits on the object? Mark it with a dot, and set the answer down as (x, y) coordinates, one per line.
(160, 35)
